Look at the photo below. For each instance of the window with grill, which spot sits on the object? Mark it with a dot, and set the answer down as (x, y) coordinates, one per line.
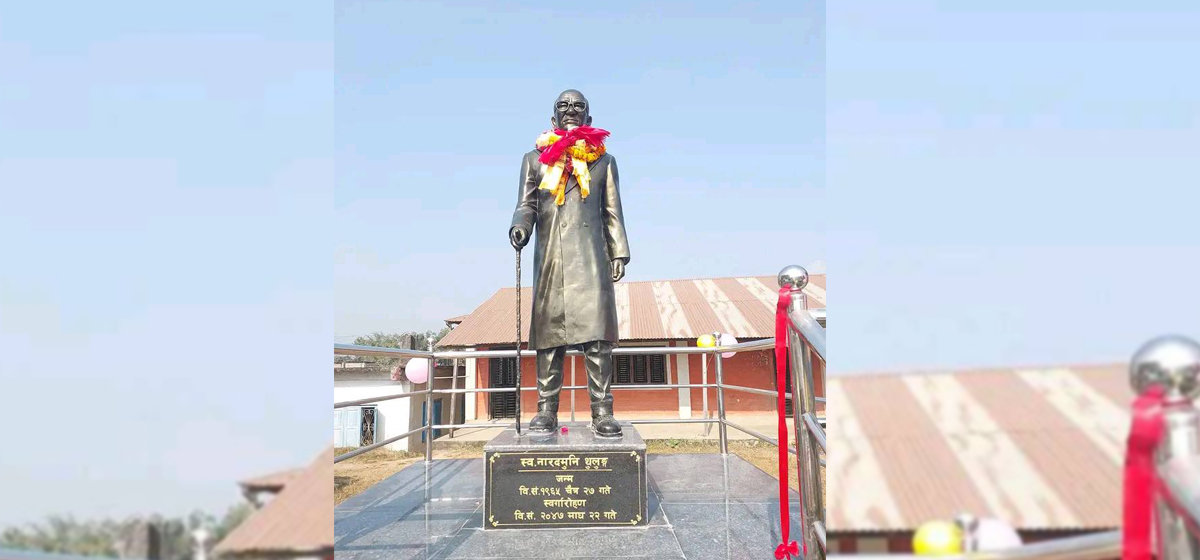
(640, 370)
(502, 372)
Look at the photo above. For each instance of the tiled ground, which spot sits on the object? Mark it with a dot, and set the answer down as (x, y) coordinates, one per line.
(701, 506)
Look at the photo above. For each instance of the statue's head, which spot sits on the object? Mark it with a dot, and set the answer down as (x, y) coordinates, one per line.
(570, 110)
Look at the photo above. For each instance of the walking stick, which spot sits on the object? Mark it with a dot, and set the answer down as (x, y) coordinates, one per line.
(518, 341)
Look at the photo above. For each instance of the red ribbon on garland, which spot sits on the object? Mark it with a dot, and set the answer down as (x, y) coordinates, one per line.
(788, 548)
(593, 136)
(1140, 477)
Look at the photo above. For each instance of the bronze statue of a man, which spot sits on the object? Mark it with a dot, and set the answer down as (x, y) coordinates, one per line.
(568, 189)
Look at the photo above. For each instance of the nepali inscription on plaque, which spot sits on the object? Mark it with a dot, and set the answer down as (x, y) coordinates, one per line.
(565, 489)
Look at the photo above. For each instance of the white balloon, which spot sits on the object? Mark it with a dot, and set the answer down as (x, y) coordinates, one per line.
(417, 370)
(993, 534)
(727, 339)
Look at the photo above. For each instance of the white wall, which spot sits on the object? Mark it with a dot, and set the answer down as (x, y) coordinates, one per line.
(469, 398)
(684, 375)
(392, 416)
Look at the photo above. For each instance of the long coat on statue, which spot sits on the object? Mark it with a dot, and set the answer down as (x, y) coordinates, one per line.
(573, 299)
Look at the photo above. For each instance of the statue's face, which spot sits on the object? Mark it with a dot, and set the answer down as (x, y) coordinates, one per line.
(570, 110)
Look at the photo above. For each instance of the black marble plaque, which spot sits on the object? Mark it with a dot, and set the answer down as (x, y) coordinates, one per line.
(573, 480)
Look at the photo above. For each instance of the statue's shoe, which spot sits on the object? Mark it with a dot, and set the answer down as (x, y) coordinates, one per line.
(603, 423)
(546, 419)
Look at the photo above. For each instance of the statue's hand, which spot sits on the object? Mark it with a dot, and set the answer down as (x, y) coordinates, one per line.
(618, 269)
(518, 237)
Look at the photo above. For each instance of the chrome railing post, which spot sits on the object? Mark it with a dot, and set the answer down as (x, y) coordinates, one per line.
(1181, 440)
(704, 393)
(805, 449)
(722, 429)
(429, 408)
(453, 398)
(804, 407)
(1173, 363)
(428, 420)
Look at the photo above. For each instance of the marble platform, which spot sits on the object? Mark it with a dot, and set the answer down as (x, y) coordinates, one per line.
(700, 506)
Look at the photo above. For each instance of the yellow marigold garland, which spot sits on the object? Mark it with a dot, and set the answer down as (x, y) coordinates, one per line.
(574, 160)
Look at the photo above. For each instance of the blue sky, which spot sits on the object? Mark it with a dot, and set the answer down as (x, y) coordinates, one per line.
(717, 120)
(165, 306)
(1010, 182)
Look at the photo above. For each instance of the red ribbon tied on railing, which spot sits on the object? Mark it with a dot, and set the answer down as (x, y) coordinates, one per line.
(787, 549)
(1140, 477)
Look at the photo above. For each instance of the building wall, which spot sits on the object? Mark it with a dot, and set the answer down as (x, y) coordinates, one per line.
(479, 380)
(392, 416)
(442, 380)
(892, 542)
(396, 416)
(469, 399)
(748, 369)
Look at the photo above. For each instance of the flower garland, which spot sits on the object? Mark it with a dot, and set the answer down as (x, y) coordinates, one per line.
(569, 152)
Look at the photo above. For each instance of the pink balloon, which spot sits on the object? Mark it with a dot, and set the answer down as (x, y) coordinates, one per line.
(417, 370)
(727, 339)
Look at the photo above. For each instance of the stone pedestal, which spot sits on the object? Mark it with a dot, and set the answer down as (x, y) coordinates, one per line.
(564, 480)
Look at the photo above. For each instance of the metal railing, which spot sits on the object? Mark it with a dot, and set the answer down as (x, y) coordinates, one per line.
(807, 364)
(428, 389)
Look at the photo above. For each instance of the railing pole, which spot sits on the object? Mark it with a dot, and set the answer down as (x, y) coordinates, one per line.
(721, 427)
(453, 397)
(572, 392)
(817, 512)
(1181, 438)
(704, 394)
(429, 414)
(1172, 363)
(804, 403)
(804, 446)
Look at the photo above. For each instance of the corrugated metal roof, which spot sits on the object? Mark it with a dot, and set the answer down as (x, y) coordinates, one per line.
(1041, 448)
(652, 310)
(299, 520)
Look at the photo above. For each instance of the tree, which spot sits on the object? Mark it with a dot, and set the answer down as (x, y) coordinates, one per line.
(64, 535)
(412, 340)
(107, 537)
